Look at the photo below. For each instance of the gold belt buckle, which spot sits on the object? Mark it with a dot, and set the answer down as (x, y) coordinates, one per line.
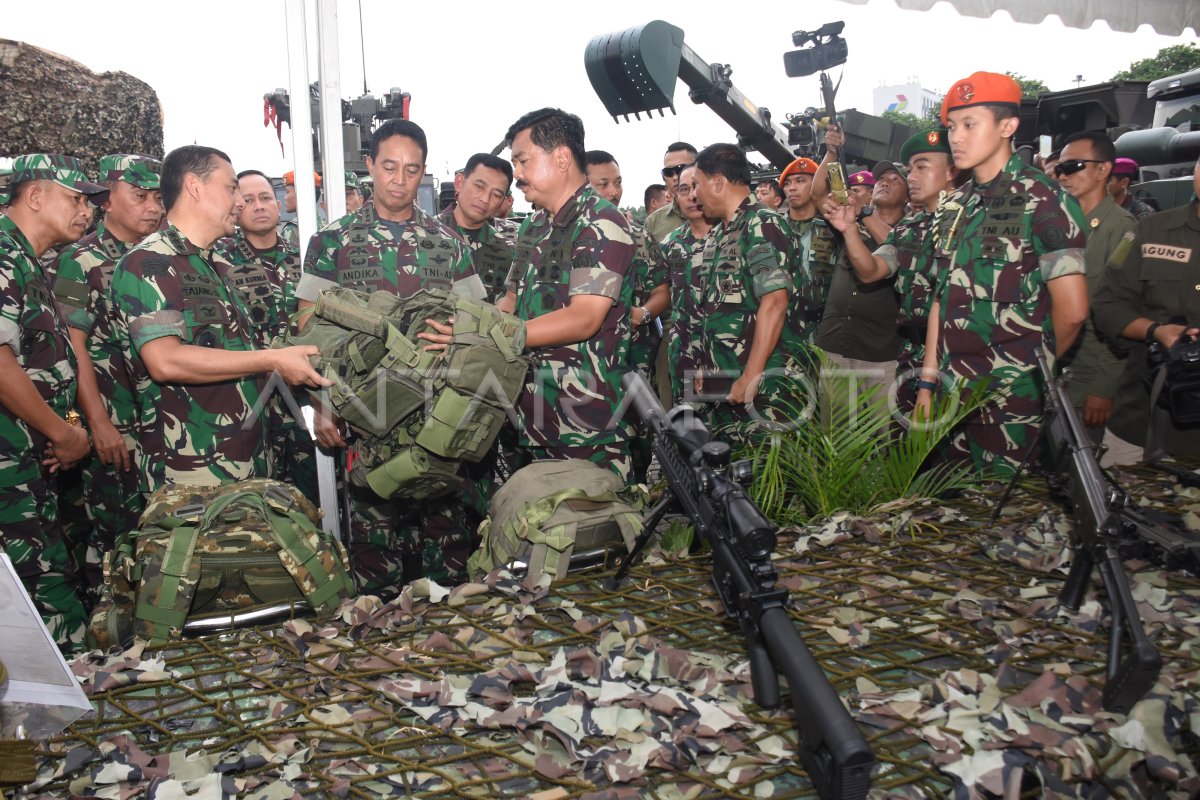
(73, 418)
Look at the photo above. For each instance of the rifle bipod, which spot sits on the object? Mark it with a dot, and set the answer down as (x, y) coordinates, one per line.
(652, 520)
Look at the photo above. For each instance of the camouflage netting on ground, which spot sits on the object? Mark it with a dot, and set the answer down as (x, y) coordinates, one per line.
(51, 104)
(942, 636)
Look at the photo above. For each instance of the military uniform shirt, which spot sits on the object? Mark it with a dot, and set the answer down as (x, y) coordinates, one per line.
(1097, 362)
(816, 250)
(687, 296)
(362, 251)
(85, 273)
(202, 434)
(1154, 273)
(492, 252)
(571, 396)
(649, 272)
(267, 280)
(661, 223)
(1013, 235)
(908, 254)
(859, 320)
(741, 261)
(31, 325)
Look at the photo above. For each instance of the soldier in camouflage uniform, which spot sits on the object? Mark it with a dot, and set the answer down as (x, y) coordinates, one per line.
(132, 212)
(571, 284)
(40, 433)
(816, 250)
(1010, 276)
(189, 338)
(907, 253)
(687, 293)
(289, 231)
(266, 269)
(391, 245)
(479, 191)
(354, 195)
(651, 295)
(1125, 172)
(755, 362)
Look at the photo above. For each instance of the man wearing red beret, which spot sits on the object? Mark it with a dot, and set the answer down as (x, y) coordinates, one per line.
(1010, 251)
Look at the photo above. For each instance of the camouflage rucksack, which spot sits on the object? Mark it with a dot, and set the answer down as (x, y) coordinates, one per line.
(548, 510)
(211, 552)
(417, 413)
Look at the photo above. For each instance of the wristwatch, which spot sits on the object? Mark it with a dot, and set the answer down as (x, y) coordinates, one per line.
(1150, 332)
(645, 316)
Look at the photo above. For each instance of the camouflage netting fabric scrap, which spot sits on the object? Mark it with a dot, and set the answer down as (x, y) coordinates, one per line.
(941, 633)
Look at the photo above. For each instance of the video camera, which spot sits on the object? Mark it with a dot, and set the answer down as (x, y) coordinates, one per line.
(827, 50)
(1180, 394)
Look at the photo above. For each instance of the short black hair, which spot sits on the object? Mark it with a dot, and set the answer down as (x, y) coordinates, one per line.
(652, 191)
(1003, 111)
(550, 128)
(1102, 147)
(191, 158)
(595, 158)
(18, 189)
(399, 127)
(726, 160)
(681, 147)
(773, 185)
(491, 162)
(246, 173)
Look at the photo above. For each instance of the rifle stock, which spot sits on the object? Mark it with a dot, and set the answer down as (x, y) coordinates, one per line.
(834, 752)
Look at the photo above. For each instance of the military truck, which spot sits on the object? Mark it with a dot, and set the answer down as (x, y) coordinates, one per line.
(1167, 151)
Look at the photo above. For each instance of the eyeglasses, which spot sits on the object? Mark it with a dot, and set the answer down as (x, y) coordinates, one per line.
(675, 171)
(1074, 165)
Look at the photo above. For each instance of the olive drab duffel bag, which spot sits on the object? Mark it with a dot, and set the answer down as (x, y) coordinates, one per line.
(550, 509)
(206, 553)
(417, 413)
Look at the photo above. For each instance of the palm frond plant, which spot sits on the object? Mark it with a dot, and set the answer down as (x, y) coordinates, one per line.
(846, 453)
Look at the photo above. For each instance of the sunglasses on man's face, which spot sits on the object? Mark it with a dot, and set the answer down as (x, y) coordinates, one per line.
(1073, 166)
(675, 171)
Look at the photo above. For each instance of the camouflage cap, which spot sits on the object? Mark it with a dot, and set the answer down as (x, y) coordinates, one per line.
(63, 170)
(139, 171)
(933, 141)
(5, 175)
(351, 180)
(863, 178)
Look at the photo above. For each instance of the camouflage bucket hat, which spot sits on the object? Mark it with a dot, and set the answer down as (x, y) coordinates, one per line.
(139, 171)
(63, 170)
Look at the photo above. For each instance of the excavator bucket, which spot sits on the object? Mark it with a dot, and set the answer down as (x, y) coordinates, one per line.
(634, 71)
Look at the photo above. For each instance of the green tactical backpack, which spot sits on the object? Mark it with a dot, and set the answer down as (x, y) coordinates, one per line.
(211, 552)
(417, 413)
(548, 510)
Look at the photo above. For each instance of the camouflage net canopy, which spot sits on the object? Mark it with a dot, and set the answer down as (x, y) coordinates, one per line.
(942, 635)
(51, 104)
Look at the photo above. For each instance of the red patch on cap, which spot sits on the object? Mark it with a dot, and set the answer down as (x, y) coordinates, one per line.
(932, 137)
(966, 92)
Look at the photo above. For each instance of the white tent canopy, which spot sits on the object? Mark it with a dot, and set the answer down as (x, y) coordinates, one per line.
(1167, 17)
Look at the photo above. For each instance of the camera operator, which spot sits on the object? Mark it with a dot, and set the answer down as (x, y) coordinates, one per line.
(1151, 294)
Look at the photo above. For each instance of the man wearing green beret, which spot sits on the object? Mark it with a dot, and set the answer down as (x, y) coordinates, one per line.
(907, 253)
(106, 391)
(40, 432)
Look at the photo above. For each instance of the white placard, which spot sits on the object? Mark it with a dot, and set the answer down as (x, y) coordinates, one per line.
(41, 696)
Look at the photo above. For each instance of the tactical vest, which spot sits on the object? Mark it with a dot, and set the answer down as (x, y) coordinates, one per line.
(417, 413)
(548, 510)
(212, 552)
(361, 262)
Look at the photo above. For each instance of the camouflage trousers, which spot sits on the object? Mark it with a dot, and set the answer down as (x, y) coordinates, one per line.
(394, 543)
(114, 506)
(998, 437)
(613, 456)
(31, 534)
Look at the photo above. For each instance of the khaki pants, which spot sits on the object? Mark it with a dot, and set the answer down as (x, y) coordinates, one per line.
(1120, 452)
(857, 383)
